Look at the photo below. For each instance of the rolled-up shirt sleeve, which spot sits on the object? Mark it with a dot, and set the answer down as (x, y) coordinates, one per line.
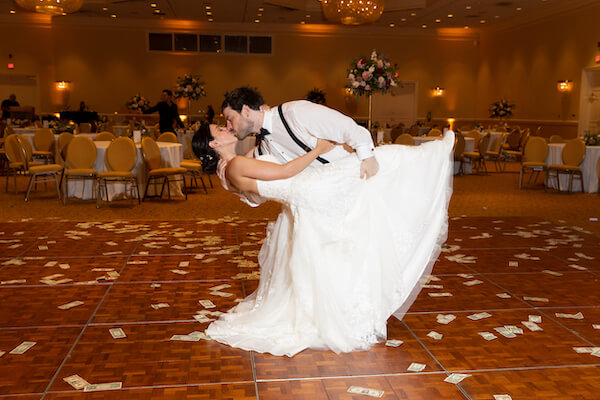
(326, 123)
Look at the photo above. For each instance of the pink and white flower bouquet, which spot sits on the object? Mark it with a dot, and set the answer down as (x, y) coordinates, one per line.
(189, 86)
(371, 75)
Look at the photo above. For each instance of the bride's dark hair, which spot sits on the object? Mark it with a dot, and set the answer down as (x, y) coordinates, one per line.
(203, 151)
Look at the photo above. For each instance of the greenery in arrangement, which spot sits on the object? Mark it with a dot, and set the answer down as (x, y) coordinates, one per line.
(591, 139)
(368, 75)
(316, 96)
(501, 109)
(189, 86)
(59, 127)
(137, 103)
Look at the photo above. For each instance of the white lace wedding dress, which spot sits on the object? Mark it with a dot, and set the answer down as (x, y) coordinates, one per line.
(345, 254)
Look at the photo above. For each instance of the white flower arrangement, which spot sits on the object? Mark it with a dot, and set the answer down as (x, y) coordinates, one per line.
(501, 109)
(370, 75)
(189, 86)
(137, 103)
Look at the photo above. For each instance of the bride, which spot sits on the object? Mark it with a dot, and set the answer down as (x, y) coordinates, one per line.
(345, 253)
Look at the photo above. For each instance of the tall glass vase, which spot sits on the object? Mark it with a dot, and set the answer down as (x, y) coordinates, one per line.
(370, 123)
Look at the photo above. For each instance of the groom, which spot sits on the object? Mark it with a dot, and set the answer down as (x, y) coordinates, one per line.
(291, 129)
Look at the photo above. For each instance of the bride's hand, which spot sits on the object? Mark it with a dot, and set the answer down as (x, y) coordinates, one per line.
(324, 146)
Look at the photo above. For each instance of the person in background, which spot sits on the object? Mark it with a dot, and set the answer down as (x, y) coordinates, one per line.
(316, 96)
(210, 114)
(83, 106)
(7, 104)
(167, 110)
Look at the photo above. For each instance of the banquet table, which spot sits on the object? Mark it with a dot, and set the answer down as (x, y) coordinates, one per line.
(494, 137)
(469, 146)
(29, 136)
(171, 154)
(588, 167)
(120, 130)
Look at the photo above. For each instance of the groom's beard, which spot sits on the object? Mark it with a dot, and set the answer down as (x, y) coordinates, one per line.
(244, 130)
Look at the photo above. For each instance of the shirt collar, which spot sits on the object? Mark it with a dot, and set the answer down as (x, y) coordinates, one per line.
(268, 120)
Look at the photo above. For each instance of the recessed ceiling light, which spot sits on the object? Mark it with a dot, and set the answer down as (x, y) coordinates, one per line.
(104, 9)
(482, 21)
(466, 26)
(63, 13)
(259, 15)
(450, 15)
(157, 11)
(209, 13)
(412, 14)
(392, 25)
(302, 22)
(468, 7)
(424, 26)
(210, 20)
(307, 16)
(519, 8)
(208, 7)
(496, 16)
(153, 5)
(113, 15)
(257, 20)
(403, 20)
(437, 21)
(13, 12)
(261, 9)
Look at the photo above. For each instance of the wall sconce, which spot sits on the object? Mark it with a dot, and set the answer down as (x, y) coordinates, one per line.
(437, 91)
(451, 123)
(183, 117)
(63, 85)
(564, 86)
(61, 93)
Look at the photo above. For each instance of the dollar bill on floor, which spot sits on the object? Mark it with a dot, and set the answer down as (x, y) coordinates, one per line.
(456, 378)
(596, 326)
(2, 353)
(503, 295)
(583, 350)
(416, 367)
(180, 272)
(220, 287)
(502, 397)
(535, 318)
(366, 391)
(473, 282)
(221, 294)
(445, 319)
(70, 305)
(487, 335)
(435, 335)
(76, 381)
(393, 343)
(579, 315)
(202, 318)
(185, 338)
(23, 347)
(442, 294)
(207, 303)
(155, 285)
(117, 333)
(532, 326)
(183, 264)
(540, 299)
(505, 332)
(159, 306)
(103, 386)
(478, 316)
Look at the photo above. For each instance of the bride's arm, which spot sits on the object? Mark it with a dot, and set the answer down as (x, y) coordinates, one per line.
(243, 172)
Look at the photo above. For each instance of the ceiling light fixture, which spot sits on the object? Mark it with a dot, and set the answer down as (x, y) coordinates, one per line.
(437, 21)
(450, 15)
(153, 5)
(352, 12)
(51, 7)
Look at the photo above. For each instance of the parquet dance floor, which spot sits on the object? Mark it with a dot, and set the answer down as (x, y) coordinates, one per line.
(146, 277)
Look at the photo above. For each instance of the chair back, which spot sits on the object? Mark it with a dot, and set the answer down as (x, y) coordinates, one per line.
(168, 137)
(483, 143)
(63, 143)
(121, 154)
(85, 127)
(151, 153)
(396, 132)
(524, 138)
(14, 150)
(26, 146)
(476, 135)
(104, 137)
(82, 153)
(405, 139)
(459, 145)
(414, 130)
(538, 131)
(574, 152)
(514, 139)
(497, 145)
(536, 150)
(43, 139)
(8, 131)
(556, 139)
(434, 132)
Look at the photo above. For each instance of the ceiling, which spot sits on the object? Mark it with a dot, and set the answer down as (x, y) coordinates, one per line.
(398, 14)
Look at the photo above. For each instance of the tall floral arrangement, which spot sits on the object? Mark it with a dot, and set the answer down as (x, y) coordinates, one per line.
(591, 138)
(501, 109)
(189, 86)
(137, 103)
(368, 75)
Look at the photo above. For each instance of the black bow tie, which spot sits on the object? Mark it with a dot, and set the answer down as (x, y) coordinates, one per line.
(263, 132)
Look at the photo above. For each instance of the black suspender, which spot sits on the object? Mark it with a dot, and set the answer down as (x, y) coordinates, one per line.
(295, 138)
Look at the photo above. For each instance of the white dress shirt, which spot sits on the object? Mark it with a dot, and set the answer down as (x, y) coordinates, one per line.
(309, 122)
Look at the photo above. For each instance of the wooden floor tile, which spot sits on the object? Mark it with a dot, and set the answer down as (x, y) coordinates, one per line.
(32, 371)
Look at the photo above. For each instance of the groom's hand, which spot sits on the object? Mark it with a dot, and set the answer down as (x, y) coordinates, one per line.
(369, 167)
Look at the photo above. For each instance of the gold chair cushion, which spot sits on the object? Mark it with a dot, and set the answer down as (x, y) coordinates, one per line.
(191, 165)
(42, 153)
(471, 154)
(167, 171)
(16, 165)
(116, 174)
(514, 152)
(534, 164)
(39, 169)
(81, 172)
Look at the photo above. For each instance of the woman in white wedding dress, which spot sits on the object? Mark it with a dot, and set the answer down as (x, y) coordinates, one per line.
(345, 253)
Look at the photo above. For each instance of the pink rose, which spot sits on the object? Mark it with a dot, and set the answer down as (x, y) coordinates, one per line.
(366, 75)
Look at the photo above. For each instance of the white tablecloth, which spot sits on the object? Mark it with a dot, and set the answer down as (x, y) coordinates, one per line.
(494, 137)
(23, 131)
(588, 167)
(469, 146)
(171, 154)
(119, 130)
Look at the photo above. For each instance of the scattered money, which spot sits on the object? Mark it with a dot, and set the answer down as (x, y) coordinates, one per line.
(160, 305)
(540, 299)
(433, 286)
(581, 255)
(43, 247)
(155, 285)
(365, 391)
(185, 338)
(102, 269)
(440, 294)
(393, 343)
(112, 243)
(199, 256)
(222, 294)
(532, 326)
(466, 276)
(2, 353)
(200, 335)
(505, 332)
(211, 259)
(445, 319)
(50, 263)
(596, 326)
(535, 318)
(76, 381)
(416, 367)
(435, 335)
(513, 263)
(138, 262)
(503, 295)
(478, 316)
(180, 272)
(112, 253)
(103, 386)
(578, 267)
(117, 333)
(547, 271)
(472, 283)
(502, 397)
(206, 303)
(456, 378)
(487, 335)
(70, 305)
(572, 316)
(23, 347)
(514, 329)
(202, 318)
(13, 281)
(183, 264)
(584, 350)
(596, 353)
(220, 287)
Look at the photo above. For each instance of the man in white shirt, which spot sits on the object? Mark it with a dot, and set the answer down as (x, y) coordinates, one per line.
(306, 122)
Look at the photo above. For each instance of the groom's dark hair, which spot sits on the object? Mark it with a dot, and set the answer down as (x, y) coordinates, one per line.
(241, 96)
